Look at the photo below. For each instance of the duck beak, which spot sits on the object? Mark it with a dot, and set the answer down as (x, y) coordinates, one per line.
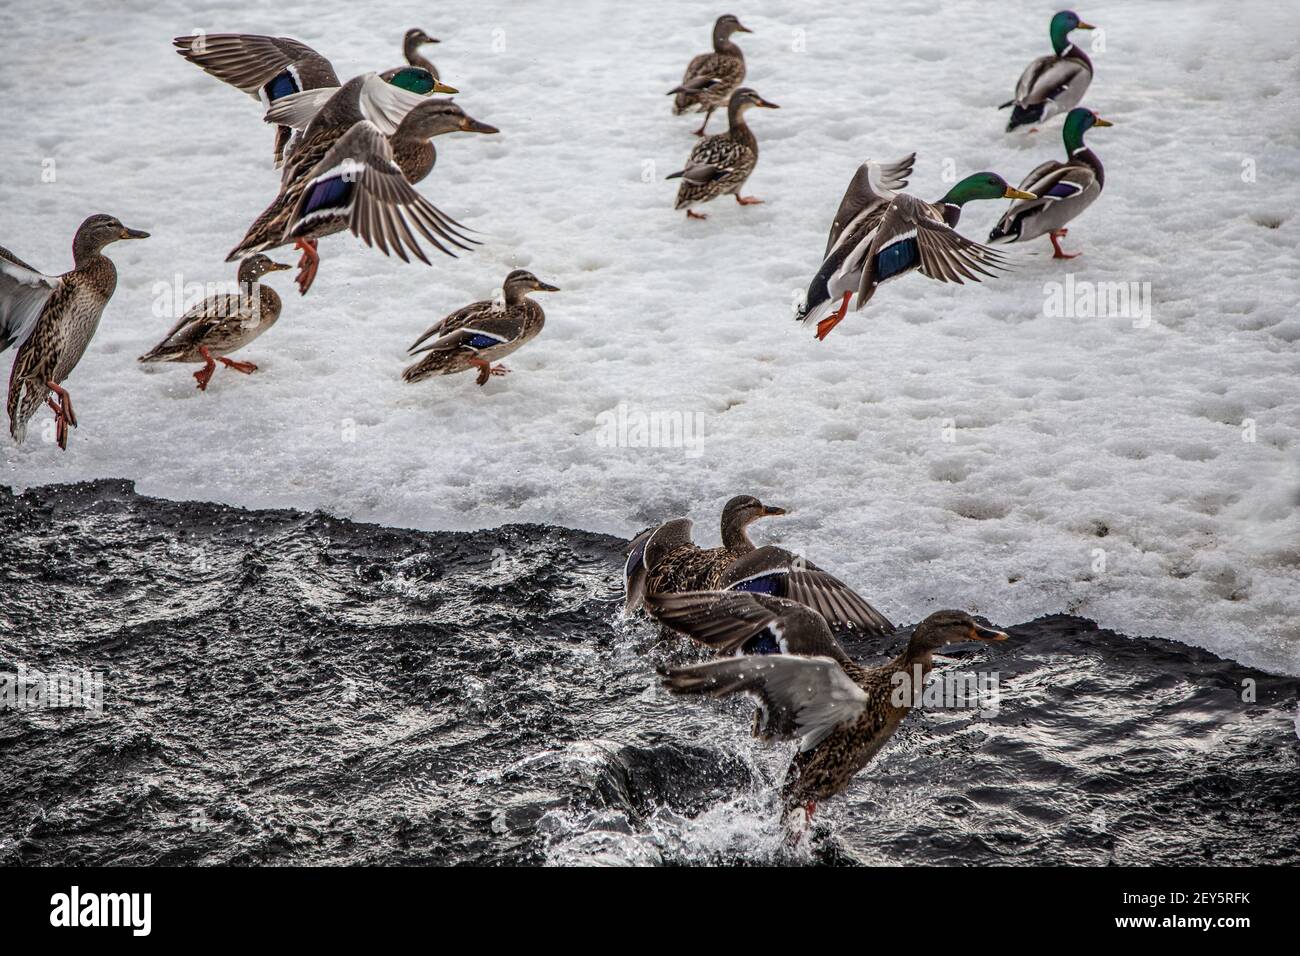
(469, 125)
(771, 511)
(132, 234)
(1017, 194)
(767, 105)
(278, 267)
(742, 29)
(981, 633)
(440, 87)
(1085, 26)
(1101, 122)
(544, 287)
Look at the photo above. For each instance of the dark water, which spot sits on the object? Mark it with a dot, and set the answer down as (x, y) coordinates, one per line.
(292, 688)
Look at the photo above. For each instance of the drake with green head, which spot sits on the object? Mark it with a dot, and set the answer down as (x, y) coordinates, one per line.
(892, 234)
(1063, 189)
(1052, 84)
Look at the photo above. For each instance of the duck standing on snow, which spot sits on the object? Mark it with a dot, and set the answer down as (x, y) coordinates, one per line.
(343, 175)
(665, 560)
(411, 43)
(271, 68)
(710, 78)
(222, 323)
(52, 320)
(480, 333)
(879, 235)
(720, 164)
(808, 689)
(1052, 84)
(1063, 190)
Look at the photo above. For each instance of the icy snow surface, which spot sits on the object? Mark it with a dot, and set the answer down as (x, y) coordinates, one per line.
(948, 446)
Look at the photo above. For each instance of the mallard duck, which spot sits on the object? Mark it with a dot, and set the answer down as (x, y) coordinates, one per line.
(887, 234)
(223, 323)
(411, 43)
(413, 149)
(710, 78)
(343, 176)
(665, 560)
(52, 320)
(1063, 190)
(271, 68)
(480, 333)
(720, 164)
(1052, 84)
(808, 689)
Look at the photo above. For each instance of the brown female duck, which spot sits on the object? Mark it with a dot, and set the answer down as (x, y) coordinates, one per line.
(720, 164)
(711, 78)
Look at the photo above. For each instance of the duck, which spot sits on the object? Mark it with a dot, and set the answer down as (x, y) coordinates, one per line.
(475, 336)
(711, 78)
(344, 175)
(879, 235)
(411, 43)
(808, 688)
(223, 323)
(720, 164)
(270, 68)
(666, 560)
(51, 320)
(413, 149)
(1061, 190)
(1053, 84)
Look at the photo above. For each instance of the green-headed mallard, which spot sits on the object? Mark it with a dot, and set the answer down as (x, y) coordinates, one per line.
(1063, 190)
(411, 43)
(223, 323)
(480, 333)
(52, 320)
(807, 687)
(879, 235)
(710, 78)
(1052, 84)
(665, 560)
(720, 164)
(271, 68)
(343, 176)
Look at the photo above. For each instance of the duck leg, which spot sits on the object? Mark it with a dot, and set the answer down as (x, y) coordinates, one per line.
(700, 131)
(692, 214)
(307, 265)
(748, 200)
(60, 424)
(65, 402)
(248, 368)
(486, 369)
(204, 375)
(825, 325)
(1056, 235)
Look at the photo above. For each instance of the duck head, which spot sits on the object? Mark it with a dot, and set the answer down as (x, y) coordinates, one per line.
(415, 79)
(738, 514)
(984, 185)
(521, 282)
(435, 117)
(743, 99)
(1062, 23)
(948, 627)
(726, 25)
(415, 37)
(98, 231)
(254, 267)
(1077, 122)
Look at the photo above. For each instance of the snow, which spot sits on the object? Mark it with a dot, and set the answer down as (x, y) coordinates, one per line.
(948, 446)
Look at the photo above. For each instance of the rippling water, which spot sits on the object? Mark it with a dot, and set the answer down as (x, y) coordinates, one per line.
(283, 687)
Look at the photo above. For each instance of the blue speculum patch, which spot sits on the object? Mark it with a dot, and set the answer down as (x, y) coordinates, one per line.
(480, 341)
(897, 258)
(331, 193)
(281, 85)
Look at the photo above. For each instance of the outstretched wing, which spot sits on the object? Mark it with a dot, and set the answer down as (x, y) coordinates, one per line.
(775, 571)
(250, 61)
(358, 183)
(733, 622)
(23, 294)
(871, 185)
(802, 698)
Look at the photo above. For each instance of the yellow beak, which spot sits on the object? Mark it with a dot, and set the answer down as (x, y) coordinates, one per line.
(1017, 194)
(439, 87)
(1101, 122)
(1085, 26)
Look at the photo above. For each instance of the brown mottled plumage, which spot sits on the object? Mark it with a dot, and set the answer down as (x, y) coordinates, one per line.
(411, 43)
(721, 164)
(52, 320)
(710, 78)
(223, 323)
(807, 687)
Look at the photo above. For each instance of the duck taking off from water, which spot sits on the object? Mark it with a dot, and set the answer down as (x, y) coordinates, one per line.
(711, 78)
(271, 68)
(223, 323)
(879, 234)
(808, 689)
(1061, 190)
(720, 164)
(1052, 84)
(51, 319)
(475, 336)
(665, 560)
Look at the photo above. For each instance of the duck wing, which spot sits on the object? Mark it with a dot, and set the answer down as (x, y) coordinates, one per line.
(250, 61)
(778, 572)
(735, 622)
(463, 316)
(23, 294)
(1052, 183)
(359, 185)
(872, 184)
(488, 332)
(803, 698)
